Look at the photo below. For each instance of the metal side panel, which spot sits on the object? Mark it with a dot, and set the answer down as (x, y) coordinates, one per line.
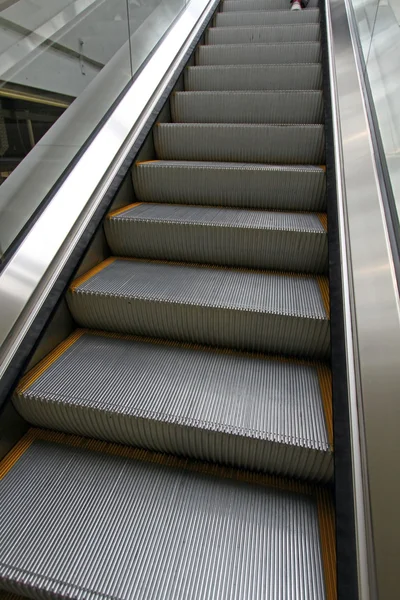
(254, 77)
(162, 397)
(272, 107)
(259, 54)
(264, 34)
(237, 185)
(238, 238)
(245, 5)
(266, 17)
(107, 522)
(279, 144)
(244, 310)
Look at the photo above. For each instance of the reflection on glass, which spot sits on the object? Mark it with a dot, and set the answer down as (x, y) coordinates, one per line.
(78, 55)
(51, 50)
(378, 24)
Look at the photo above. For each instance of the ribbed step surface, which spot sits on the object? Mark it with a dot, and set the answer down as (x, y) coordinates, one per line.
(237, 238)
(240, 5)
(254, 77)
(282, 144)
(212, 406)
(244, 310)
(259, 54)
(231, 184)
(263, 34)
(128, 525)
(266, 17)
(273, 107)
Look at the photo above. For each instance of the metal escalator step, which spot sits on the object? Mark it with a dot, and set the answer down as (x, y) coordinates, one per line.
(214, 406)
(220, 236)
(271, 107)
(266, 17)
(280, 144)
(107, 522)
(259, 54)
(263, 34)
(254, 77)
(245, 5)
(239, 185)
(244, 310)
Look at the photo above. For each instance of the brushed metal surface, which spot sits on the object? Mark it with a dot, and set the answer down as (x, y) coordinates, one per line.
(249, 412)
(372, 322)
(103, 526)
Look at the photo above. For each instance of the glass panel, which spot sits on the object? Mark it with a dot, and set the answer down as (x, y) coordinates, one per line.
(146, 33)
(50, 51)
(63, 64)
(378, 23)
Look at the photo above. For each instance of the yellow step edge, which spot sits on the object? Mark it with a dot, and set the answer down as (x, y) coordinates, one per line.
(118, 211)
(323, 217)
(323, 283)
(82, 278)
(326, 518)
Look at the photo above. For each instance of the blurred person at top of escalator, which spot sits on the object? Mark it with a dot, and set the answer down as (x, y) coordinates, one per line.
(298, 4)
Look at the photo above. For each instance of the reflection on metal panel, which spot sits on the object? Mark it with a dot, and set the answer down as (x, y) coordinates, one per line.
(378, 23)
(372, 324)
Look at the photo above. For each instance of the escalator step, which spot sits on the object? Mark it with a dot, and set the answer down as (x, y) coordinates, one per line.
(266, 17)
(271, 107)
(209, 405)
(254, 77)
(263, 34)
(259, 54)
(245, 5)
(244, 310)
(106, 521)
(238, 238)
(237, 185)
(225, 142)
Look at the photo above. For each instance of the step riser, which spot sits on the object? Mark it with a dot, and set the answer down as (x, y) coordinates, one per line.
(259, 54)
(260, 35)
(273, 77)
(228, 246)
(236, 187)
(248, 5)
(280, 145)
(268, 18)
(290, 108)
(222, 448)
(248, 331)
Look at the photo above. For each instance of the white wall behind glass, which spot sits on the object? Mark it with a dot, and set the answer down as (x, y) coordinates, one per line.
(379, 28)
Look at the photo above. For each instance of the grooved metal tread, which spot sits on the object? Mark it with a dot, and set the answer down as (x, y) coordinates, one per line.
(254, 77)
(244, 310)
(237, 185)
(261, 54)
(257, 107)
(280, 144)
(309, 32)
(220, 236)
(266, 17)
(246, 5)
(221, 407)
(107, 524)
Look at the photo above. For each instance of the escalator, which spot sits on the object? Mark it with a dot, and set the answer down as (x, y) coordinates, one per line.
(181, 441)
